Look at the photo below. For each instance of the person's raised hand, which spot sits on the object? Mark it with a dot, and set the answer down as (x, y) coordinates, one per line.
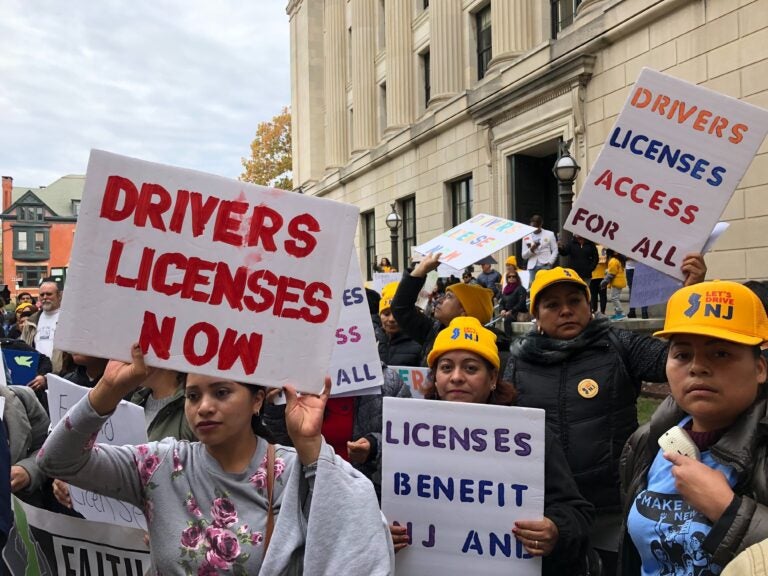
(694, 269)
(119, 380)
(304, 420)
(427, 264)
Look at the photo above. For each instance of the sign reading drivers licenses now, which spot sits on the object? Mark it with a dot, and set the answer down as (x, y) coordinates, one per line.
(458, 476)
(667, 170)
(209, 275)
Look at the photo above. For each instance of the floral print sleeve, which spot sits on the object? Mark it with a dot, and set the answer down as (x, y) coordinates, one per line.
(122, 472)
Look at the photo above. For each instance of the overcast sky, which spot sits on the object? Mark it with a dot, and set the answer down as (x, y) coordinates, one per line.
(182, 82)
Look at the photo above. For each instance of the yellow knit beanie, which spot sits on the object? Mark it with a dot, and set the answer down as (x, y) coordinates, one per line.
(476, 300)
(465, 333)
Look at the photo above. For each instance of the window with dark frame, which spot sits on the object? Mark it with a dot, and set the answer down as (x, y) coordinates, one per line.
(563, 13)
(408, 210)
(425, 66)
(484, 49)
(30, 276)
(461, 200)
(369, 241)
(30, 243)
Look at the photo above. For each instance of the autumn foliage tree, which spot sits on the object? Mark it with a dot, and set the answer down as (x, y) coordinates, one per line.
(271, 161)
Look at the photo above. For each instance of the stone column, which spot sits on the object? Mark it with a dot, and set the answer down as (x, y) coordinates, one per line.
(363, 74)
(446, 48)
(335, 60)
(512, 29)
(400, 93)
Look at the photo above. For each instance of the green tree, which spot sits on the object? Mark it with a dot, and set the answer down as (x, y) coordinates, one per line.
(271, 161)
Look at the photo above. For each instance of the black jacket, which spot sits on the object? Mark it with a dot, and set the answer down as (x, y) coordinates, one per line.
(423, 329)
(553, 374)
(582, 258)
(514, 302)
(399, 350)
(744, 446)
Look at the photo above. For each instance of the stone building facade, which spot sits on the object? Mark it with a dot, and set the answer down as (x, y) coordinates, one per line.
(449, 108)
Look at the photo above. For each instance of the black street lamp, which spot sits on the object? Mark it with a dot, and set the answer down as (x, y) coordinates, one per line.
(393, 223)
(565, 170)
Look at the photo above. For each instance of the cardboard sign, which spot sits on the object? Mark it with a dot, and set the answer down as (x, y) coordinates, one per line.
(126, 426)
(210, 275)
(355, 363)
(42, 543)
(458, 476)
(415, 377)
(474, 239)
(667, 170)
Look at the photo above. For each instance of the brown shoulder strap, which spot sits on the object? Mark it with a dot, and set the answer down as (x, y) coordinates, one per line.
(270, 492)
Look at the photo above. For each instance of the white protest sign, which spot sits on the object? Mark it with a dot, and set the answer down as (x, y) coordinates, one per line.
(45, 543)
(355, 363)
(415, 377)
(210, 275)
(474, 239)
(445, 271)
(458, 476)
(126, 426)
(381, 279)
(667, 170)
(3, 379)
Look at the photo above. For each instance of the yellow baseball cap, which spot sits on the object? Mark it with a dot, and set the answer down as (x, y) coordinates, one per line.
(476, 300)
(545, 279)
(719, 308)
(465, 333)
(387, 293)
(24, 305)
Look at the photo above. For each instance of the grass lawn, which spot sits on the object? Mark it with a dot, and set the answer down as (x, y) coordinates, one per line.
(645, 407)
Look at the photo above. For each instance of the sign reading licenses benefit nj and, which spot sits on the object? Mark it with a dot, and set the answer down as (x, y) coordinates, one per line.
(667, 170)
(458, 476)
(210, 275)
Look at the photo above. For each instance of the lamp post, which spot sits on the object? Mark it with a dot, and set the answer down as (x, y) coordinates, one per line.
(393, 223)
(565, 170)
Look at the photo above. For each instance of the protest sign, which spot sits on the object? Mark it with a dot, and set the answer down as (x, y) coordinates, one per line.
(126, 426)
(355, 363)
(458, 476)
(210, 275)
(470, 241)
(667, 170)
(381, 279)
(650, 286)
(415, 377)
(42, 543)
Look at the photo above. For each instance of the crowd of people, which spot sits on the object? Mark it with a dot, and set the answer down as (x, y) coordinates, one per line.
(232, 482)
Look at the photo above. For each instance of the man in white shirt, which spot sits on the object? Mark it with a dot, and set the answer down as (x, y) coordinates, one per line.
(40, 328)
(539, 247)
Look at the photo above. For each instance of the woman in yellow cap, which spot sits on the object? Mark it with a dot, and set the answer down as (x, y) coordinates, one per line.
(395, 348)
(587, 376)
(701, 498)
(467, 370)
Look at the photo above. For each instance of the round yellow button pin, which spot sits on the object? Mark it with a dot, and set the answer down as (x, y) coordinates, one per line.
(588, 388)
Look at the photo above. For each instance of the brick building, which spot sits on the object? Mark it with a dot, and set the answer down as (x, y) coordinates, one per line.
(38, 229)
(455, 107)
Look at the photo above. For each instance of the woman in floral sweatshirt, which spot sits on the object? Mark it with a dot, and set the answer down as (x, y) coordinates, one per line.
(206, 502)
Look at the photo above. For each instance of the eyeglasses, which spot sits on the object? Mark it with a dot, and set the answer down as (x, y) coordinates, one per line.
(512, 277)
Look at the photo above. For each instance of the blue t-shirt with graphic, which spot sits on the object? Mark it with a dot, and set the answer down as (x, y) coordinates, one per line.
(667, 532)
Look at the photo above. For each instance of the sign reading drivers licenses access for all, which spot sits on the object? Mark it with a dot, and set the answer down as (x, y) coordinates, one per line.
(667, 170)
(209, 275)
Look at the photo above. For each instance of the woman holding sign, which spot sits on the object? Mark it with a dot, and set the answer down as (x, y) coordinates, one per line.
(587, 376)
(464, 367)
(213, 506)
(703, 497)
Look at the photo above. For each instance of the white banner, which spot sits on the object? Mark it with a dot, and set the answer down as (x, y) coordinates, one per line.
(210, 275)
(459, 476)
(667, 171)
